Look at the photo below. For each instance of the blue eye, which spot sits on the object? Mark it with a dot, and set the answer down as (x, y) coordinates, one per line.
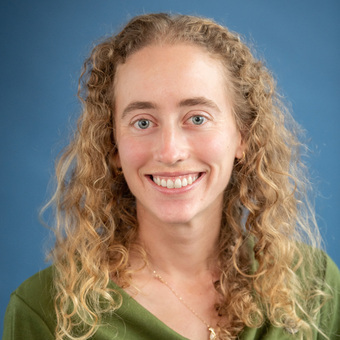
(143, 123)
(198, 120)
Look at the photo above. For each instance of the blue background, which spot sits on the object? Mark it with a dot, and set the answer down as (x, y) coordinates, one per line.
(43, 45)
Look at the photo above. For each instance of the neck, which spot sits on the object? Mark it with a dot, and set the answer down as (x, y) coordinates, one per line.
(182, 250)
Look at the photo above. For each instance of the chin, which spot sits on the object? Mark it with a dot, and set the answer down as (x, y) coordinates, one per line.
(172, 216)
(173, 212)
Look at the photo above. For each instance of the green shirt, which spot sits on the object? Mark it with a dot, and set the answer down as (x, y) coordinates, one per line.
(30, 315)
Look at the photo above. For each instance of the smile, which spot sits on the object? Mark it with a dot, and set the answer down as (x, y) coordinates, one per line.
(175, 182)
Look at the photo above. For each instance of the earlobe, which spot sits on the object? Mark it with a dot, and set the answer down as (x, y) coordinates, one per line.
(240, 152)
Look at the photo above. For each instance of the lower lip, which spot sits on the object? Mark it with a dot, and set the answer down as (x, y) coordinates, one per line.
(173, 191)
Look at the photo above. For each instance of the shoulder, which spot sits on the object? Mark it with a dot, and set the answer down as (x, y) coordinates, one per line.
(330, 306)
(39, 284)
(322, 273)
(331, 271)
(30, 311)
(325, 278)
(329, 275)
(37, 293)
(321, 265)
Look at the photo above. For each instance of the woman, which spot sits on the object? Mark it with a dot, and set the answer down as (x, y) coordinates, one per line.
(181, 206)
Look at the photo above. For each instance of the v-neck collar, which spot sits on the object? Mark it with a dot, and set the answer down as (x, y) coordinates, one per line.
(130, 304)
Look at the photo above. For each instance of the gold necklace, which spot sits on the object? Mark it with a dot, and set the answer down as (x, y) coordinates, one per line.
(212, 335)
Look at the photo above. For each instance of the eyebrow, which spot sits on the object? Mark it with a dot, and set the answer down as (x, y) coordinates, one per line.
(199, 101)
(138, 106)
(143, 105)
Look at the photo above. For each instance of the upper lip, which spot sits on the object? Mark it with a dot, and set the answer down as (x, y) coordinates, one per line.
(173, 174)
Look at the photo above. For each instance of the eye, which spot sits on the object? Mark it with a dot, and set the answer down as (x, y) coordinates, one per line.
(142, 124)
(198, 120)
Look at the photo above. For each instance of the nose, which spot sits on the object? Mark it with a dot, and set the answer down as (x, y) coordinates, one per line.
(172, 146)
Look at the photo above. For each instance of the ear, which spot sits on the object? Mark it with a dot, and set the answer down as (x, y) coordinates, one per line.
(240, 150)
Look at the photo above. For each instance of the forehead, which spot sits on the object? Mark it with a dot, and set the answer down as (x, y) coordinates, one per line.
(160, 56)
(183, 66)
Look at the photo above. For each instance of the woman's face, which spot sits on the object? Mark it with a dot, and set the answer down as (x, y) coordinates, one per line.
(176, 134)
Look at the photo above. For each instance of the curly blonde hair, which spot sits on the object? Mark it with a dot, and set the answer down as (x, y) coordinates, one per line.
(265, 203)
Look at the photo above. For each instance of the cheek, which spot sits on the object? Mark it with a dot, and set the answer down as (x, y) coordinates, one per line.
(132, 153)
(217, 147)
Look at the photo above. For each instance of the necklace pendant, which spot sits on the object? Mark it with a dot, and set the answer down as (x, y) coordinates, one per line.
(212, 335)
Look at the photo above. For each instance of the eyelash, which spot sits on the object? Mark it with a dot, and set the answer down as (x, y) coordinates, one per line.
(137, 123)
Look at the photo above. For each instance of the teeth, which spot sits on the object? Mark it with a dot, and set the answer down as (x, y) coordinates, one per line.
(169, 184)
(176, 183)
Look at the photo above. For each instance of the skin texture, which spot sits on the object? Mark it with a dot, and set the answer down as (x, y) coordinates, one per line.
(160, 79)
(174, 120)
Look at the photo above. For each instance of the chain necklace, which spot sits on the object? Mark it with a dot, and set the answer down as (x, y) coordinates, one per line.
(212, 335)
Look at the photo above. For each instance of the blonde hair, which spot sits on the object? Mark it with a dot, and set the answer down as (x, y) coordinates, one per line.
(265, 205)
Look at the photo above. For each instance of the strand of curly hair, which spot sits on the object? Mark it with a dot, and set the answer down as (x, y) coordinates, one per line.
(266, 203)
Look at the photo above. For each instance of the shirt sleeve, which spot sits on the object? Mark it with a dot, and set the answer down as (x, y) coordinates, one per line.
(23, 323)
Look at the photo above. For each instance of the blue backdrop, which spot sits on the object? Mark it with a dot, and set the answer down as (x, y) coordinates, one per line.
(43, 45)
